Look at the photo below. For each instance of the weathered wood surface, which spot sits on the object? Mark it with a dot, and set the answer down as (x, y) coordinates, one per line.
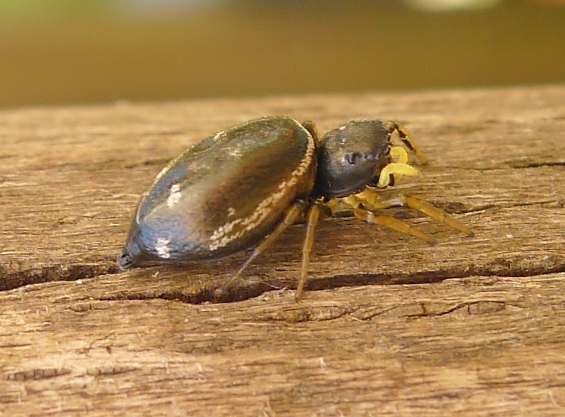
(469, 326)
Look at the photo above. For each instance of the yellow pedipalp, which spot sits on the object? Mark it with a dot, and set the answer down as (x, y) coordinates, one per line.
(395, 168)
(400, 153)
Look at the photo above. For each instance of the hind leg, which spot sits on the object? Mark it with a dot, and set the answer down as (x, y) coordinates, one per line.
(312, 217)
(289, 218)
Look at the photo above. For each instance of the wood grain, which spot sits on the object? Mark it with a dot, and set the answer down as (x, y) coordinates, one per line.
(391, 326)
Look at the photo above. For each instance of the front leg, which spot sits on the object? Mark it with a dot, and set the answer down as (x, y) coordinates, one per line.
(371, 200)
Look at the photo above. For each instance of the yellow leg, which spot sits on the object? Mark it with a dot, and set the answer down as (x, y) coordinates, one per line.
(435, 213)
(391, 223)
(368, 216)
(312, 218)
(290, 216)
(370, 198)
(405, 138)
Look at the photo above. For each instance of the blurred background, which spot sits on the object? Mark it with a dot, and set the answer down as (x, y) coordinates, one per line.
(88, 51)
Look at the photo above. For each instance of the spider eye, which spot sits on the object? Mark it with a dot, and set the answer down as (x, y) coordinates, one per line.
(353, 157)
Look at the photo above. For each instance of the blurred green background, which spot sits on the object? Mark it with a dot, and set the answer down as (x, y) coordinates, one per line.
(84, 51)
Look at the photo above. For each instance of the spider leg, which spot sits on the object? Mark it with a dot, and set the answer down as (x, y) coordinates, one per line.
(310, 126)
(313, 215)
(371, 199)
(384, 220)
(434, 213)
(289, 217)
(405, 138)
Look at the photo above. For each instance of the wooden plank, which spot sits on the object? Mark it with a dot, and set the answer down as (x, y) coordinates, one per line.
(471, 324)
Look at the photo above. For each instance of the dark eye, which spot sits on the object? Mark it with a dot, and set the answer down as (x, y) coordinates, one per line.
(353, 157)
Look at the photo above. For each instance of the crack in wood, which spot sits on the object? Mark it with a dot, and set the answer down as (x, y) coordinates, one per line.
(49, 273)
(251, 290)
(37, 374)
(527, 165)
(110, 370)
(472, 307)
